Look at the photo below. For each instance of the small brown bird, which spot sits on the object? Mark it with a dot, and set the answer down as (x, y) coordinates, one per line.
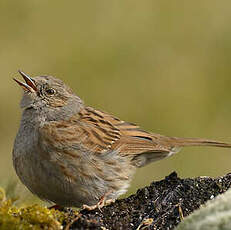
(75, 155)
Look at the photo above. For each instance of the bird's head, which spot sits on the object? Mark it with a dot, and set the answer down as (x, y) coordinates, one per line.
(48, 95)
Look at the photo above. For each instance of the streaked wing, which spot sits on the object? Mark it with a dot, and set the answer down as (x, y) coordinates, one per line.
(99, 132)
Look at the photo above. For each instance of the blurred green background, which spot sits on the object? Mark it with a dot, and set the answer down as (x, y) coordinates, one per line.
(165, 65)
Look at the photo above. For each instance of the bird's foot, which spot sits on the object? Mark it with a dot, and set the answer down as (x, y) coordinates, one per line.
(102, 202)
(99, 205)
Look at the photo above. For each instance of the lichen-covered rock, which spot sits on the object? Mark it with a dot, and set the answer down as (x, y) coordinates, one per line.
(162, 205)
(215, 215)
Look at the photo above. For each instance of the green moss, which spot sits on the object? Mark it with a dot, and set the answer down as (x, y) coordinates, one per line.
(31, 217)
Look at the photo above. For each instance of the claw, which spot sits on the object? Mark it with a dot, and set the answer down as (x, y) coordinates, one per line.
(102, 202)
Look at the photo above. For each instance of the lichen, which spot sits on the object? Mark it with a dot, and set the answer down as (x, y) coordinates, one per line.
(215, 215)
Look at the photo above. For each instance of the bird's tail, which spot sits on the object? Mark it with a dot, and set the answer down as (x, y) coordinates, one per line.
(182, 142)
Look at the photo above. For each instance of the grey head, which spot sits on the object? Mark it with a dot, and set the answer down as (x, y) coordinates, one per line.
(48, 97)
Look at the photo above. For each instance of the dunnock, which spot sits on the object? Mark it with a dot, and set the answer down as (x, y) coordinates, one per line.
(73, 155)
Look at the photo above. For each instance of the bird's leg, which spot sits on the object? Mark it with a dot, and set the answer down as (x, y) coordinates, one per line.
(102, 202)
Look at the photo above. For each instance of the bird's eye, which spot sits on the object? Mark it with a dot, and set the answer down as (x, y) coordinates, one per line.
(50, 91)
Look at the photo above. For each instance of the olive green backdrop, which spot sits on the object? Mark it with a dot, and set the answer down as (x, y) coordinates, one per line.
(165, 65)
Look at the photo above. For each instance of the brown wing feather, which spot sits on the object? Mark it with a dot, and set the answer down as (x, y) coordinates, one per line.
(100, 132)
(128, 137)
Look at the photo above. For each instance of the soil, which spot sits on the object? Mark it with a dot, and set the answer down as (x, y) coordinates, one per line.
(162, 205)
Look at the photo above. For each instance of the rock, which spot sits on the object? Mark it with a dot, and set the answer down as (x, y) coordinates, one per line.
(162, 205)
(215, 215)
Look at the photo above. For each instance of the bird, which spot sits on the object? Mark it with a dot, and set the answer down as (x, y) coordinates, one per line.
(73, 155)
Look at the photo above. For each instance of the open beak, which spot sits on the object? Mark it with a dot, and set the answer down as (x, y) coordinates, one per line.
(29, 84)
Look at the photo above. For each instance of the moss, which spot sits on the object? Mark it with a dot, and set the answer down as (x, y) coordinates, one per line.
(31, 217)
(162, 205)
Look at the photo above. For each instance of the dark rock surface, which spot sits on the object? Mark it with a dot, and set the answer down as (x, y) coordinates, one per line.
(162, 205)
